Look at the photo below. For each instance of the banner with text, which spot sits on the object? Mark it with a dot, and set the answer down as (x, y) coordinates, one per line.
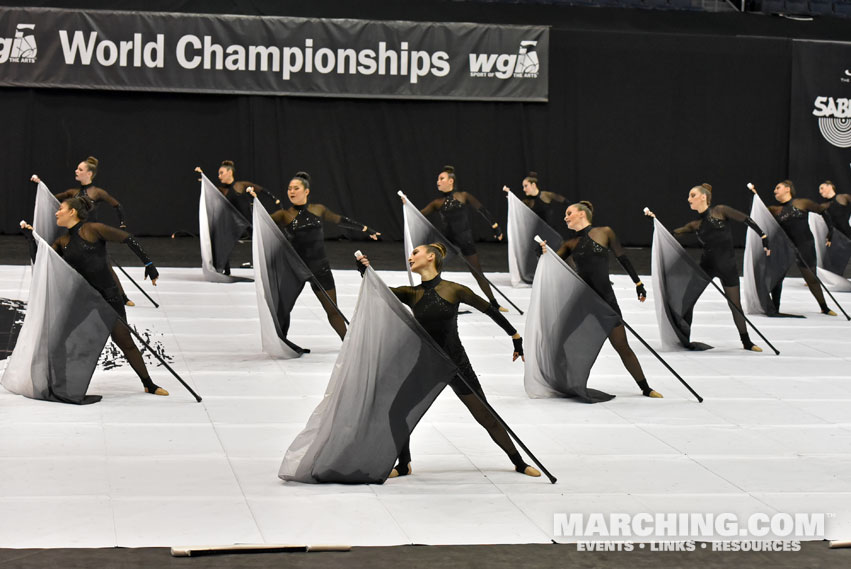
(156, 51)
(820, 117)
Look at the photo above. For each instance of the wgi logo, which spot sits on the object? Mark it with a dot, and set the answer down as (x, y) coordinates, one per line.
(834, 120)
(524, 63)
(21, 48)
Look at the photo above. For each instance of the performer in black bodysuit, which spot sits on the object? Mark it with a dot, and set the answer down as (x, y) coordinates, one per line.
(590, 251)
(452, 205)
(302, 224)
(792, 215)
(435, 306)
(718, 259)
(84, 248)
(837, 207)
(85, 174)
(235, 191)
(547, 205)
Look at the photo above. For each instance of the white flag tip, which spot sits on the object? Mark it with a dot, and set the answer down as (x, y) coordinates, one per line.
(538, 239)
(750, 186)
(358, 254)
(646, 210)
(400, 193)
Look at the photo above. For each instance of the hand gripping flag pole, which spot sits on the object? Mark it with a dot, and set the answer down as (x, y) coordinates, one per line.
(499, 419)
(120, 268)
(639, 338)
(694, 266)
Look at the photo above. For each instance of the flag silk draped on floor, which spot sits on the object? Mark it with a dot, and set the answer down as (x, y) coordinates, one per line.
(388, 373)
(44, 215)
(678, 281)
(220, 226)
(762, 272)
(419, 231)
(831, 260)
(523, 225)
(566, 326)
(66, 327)
(279, 277)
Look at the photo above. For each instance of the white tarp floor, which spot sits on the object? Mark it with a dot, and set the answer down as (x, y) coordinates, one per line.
(773, 435)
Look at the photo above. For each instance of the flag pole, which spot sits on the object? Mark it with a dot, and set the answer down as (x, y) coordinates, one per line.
(472, 269)
(807, 266)
(649, 213)
(120, 268)
(634, 333)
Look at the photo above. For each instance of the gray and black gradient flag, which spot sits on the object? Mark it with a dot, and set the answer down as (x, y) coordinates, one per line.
(418, 230)
(279, 277)
(678, 281)
(220, 226)
(523, 224)
(65, 329)
(44, 215)
(762, 272)
(388, 373)
(832, 260)
(566, 324)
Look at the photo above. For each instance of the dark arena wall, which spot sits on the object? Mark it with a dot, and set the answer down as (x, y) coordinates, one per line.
(642, 106)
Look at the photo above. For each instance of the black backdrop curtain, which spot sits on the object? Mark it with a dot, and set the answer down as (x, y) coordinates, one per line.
(634, 119)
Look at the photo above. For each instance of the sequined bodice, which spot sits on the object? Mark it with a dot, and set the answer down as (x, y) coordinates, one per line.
(437, 315)
(89, 259)
(308, 237)
(714, 233)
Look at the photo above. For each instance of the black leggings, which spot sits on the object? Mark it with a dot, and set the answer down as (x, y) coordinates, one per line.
(812, 284)
(485, 418)
(124, 340)
(630, 361)
(328, 304)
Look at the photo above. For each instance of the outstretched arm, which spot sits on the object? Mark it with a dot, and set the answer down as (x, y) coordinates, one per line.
(467, 296)
(108, 233)
(689, 227)
(432, 206)
(344, 222)
(477, 205)
(809, 205)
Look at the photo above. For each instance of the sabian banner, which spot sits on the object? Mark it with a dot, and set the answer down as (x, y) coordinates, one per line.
(820, 130)
(155, 51)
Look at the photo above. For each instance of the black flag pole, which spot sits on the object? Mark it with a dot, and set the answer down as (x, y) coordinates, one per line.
(120, 268)
(634, 333)
(473, 270)
(508, 429)
(664, 363)
(652, 215)
(162, 361)
(742, 313)
(499, 419)
(803, 262)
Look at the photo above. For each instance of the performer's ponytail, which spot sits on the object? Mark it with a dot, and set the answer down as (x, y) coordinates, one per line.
(439, 252)
(587, 207)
